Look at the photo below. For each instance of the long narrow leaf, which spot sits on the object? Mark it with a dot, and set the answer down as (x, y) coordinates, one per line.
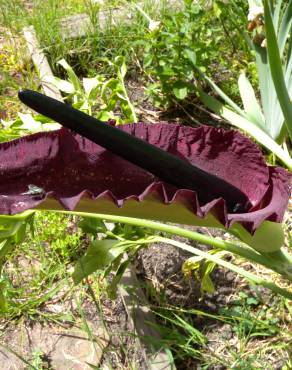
(277, 70)
(221, 93)
(72, 76)
(263, 73)
(276, 14)
(247, 126)
(250, 103)
(248, 275)
(285, 27)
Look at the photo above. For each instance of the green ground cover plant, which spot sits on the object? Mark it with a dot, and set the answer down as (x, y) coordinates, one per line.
(190, 36)
(99, 96)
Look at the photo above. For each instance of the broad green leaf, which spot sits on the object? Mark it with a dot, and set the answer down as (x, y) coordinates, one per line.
(99, 255)
(204, 268)
(90, 85)
(247, 126)
(191, 55)
(29, 123)
(109, 85)
(122, 96)
(264, 83)
(180, 90)
(250, 103)
(268, 238)
(63, 85)
(92, 226)
(105, 116)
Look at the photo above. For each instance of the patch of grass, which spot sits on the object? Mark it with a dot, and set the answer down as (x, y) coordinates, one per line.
(16, 72)
(37, 270)
(13, 15)
(252, 331)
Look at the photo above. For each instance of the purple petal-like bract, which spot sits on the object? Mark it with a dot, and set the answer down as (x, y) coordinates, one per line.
(68, 167)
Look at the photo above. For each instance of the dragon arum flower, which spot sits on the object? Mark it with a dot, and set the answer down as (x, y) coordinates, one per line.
(63, 170)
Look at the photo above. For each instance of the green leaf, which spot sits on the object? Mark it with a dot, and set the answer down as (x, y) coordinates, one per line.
(277, 69)
(63, 85)
(3, 300)
(251, 301)
(219, 261)
(207, 284)
(72, 76)
(191, 55)
(123, 69)
(216, 9)
(91, 86)
(99, 255)
(285, 27)
(29, 123)
(113, 285)
(221, 93)
(250, 103)
(92, 226)
(180, 90)
(109, 85)
(268, 238)
(247, 126)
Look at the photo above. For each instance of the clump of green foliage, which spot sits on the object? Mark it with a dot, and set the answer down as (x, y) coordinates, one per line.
(191, 35)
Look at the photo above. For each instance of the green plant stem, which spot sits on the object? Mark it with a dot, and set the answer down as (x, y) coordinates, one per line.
(283, 262)
(19, 217)
(253, 278)
(244, 251)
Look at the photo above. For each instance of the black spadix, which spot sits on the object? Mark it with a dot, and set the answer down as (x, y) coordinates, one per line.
(160, 163)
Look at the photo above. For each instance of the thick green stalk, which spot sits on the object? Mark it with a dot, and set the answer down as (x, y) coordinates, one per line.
(19, 217)
(282, 262)
(240, 249)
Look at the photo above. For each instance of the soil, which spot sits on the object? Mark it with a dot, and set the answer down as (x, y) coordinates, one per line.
(159, 268)
(66, 345)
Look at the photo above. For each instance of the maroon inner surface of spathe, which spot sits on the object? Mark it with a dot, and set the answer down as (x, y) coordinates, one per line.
(67, 166)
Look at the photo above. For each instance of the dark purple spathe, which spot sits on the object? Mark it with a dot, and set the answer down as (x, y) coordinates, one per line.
(65, 165)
